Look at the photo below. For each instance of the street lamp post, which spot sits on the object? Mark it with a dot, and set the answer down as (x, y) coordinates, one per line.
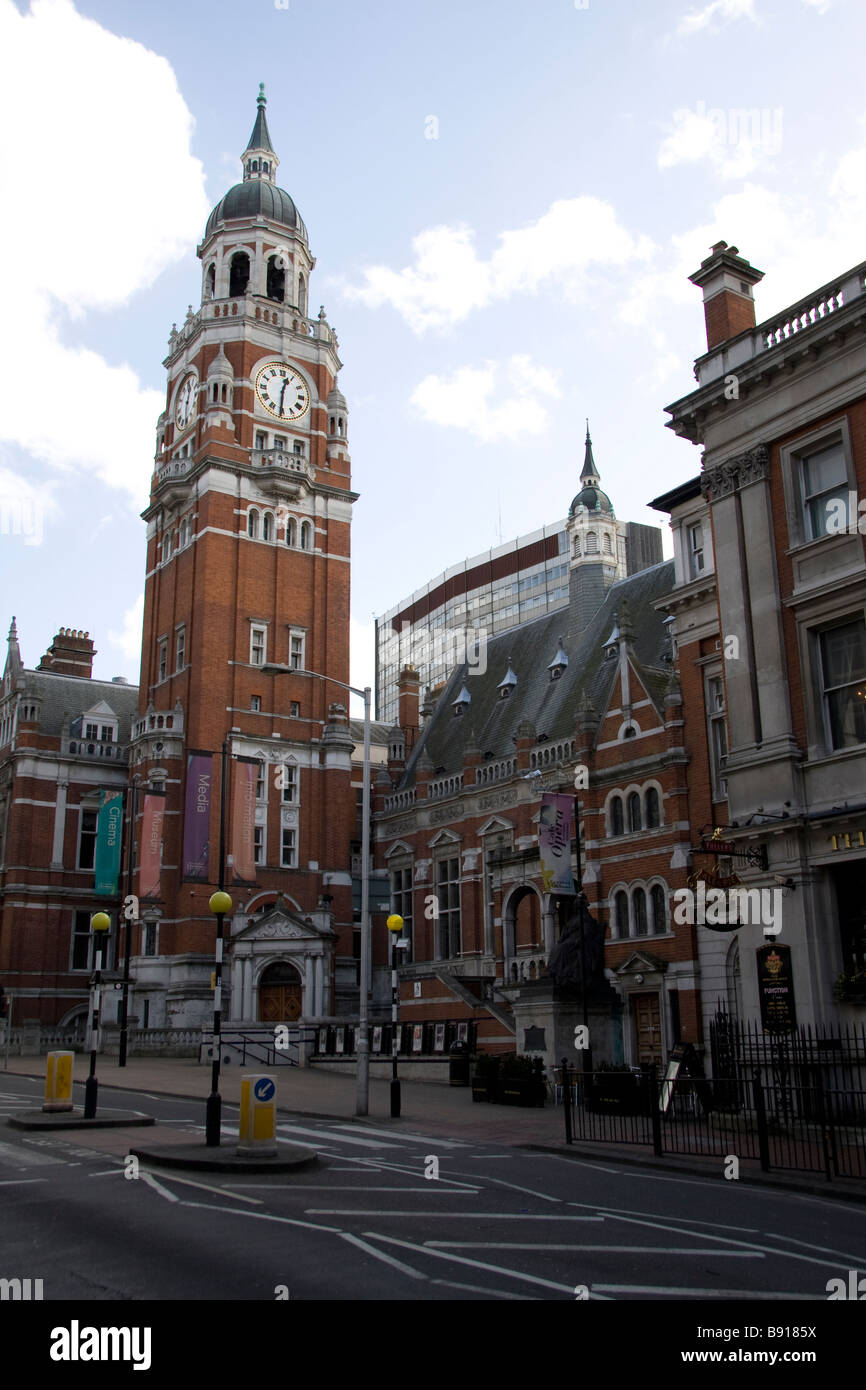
(219, 903)
(100, 923)
(362, 1101)
(395, 926)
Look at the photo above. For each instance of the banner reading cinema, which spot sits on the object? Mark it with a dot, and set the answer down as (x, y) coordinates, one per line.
(109, 833)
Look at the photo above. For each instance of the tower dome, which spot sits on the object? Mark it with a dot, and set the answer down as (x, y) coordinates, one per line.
(258, 195)
(590, 496)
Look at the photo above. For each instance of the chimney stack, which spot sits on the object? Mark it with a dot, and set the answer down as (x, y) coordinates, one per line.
(726, 280)
(409, 692)
(70, 654)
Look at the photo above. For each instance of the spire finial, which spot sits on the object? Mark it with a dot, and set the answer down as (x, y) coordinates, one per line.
(589, 469)
(261, 99)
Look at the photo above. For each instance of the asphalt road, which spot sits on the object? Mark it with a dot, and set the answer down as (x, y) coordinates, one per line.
(369, 1223)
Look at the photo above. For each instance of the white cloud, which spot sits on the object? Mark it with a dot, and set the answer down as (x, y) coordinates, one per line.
(565, 248)
(733, 140)
(716, 14)
(102, 156)
(362, 648)
(822, 6)
(467, 399)
(128, 639)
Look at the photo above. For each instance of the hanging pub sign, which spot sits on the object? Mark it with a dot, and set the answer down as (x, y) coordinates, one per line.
(554, 842)
(776, 989)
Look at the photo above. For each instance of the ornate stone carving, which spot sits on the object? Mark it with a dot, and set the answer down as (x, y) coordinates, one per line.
(735, 473)
(507, 797)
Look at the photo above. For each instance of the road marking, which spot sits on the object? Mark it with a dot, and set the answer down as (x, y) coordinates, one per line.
(500, 1182)
(25, 1158)
(628, 1211)
(728, 1240)
(595, 1249)
(488, 1293)
(318, 1134)
(384, 1165)
(475, 1264)
(262, 1216)
(457, 1215)
(663, 1290)
(840, 1254)
(380, 1255)
(106, 1173)
(415, 1138)
(220, 1191)
(432, 1189)
(158, 1187)
(20, 1182)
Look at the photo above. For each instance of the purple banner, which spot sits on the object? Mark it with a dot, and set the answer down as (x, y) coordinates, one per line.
(196, 823)
(554, 842)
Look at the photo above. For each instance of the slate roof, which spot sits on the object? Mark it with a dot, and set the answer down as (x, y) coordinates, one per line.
(490, 723)
(71, 695)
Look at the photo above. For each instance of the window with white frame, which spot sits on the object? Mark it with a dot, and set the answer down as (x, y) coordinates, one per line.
(289, 782)
(82, 942)
(651, 808)
(149, 938)
(638, 902)
(620, 916)
(295, 709)
(823, 480)
(180, 649)
(288, 857)
(296, 649)
(291, 531)
(255, 703)
(448, 897)
(842, 662)
(401, 902)
(695, 545)
(658, 907)
(258, 644)
(253, 524)
(162, 659)
(717, 735)
(261, 440)
(86, 839)
(261, 784)
(258, 844)
(306, 536)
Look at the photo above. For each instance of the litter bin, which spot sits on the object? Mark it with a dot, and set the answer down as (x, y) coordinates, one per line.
(458, 1069)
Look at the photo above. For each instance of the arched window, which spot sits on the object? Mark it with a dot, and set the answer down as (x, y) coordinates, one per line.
(265, 166)
(617, 826)
(253, 524)
(333, 424)
(305, 535)
(255, 166)
(276, 280)
(620, 915)
(577, 547)
(633, 812)
(606, 544)
(268, 526)
(210, 282)
(638, 898)
(651, 808)
(302, 294)
(225, 394)
(659, 909)
(239, 276)
(291, 531)
(591, 543)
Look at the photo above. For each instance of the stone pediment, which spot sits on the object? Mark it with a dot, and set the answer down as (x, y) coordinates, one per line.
(642, 962)
(279, 925)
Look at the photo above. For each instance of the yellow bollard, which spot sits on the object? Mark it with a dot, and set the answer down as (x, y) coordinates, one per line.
(257, 1137)
(58, 1081)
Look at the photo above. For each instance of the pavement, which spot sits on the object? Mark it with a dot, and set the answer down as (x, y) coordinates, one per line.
(444, 1110)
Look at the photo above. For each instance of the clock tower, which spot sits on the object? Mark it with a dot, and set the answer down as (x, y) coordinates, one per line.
(248, 563)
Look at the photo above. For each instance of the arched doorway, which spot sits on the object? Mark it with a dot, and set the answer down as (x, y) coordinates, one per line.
(280, 994)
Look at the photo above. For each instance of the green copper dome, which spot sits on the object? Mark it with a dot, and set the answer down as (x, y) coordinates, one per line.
(257, 198)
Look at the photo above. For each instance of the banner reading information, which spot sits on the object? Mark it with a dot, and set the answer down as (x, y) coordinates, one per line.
(554, 842)
(196, 823)
(244, 819)
(150, 845)
(109, 835)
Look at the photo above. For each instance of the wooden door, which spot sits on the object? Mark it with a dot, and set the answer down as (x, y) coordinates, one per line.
(280, 995)
(648, 1031)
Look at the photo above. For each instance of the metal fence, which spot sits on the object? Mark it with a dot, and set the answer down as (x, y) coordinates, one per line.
(803, 1126)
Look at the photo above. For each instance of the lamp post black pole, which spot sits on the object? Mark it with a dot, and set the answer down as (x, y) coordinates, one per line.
(100, 924)
(128, 917)
(220, 903)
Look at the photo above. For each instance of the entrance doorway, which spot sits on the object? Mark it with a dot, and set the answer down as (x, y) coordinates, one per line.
(648, 1029)
(280, 994)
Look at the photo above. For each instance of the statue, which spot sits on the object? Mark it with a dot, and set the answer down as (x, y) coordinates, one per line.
(578, 955)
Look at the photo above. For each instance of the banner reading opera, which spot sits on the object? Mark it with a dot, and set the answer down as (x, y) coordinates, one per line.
(150, 845)
(554, 842)
(196, 821)
(244, 819)
(109, 834)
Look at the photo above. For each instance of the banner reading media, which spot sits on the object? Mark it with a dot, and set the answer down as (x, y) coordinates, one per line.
(109, 835)
(196, 821)
(150, 846)
(554, 842)
(244, 819)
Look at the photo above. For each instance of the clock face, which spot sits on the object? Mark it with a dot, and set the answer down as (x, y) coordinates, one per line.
(186, 401)
(282, 391)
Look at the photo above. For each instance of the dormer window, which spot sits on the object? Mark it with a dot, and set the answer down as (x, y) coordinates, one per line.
(559, 662)
(507, 684)
(461, 704)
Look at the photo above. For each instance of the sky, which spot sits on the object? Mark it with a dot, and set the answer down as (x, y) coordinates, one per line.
(505, 201)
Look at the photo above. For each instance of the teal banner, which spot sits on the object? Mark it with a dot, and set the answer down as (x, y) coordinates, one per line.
(109, 835)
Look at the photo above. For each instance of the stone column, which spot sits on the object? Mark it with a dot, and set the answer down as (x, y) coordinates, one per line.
(319, 1002)
(247, 962)
(309, 1005)
(59, 826)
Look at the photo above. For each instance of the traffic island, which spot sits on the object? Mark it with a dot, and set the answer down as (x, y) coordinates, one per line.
(288, 1158)
(75, 1119)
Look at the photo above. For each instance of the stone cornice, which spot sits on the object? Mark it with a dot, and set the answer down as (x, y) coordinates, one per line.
(735, 473)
